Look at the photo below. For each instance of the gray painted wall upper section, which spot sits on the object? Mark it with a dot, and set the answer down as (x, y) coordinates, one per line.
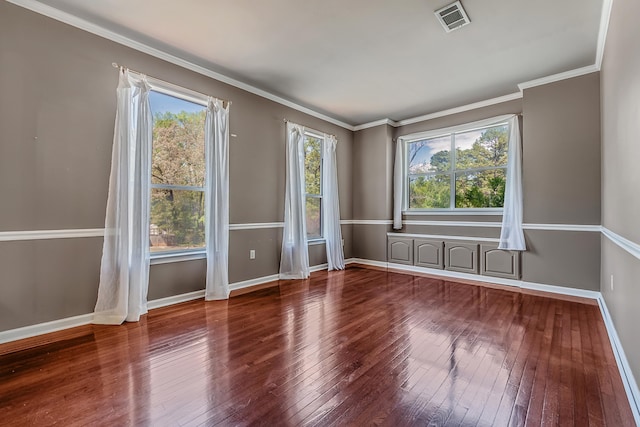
(509, 107)
(621, 123)
(561, 152)
(372, 170)
(57, 115)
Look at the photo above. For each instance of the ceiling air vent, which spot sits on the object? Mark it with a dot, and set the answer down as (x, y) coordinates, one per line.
(452, 17)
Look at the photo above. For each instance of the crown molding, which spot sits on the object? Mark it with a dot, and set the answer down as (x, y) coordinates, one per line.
(461, 109)
(443, 113)
(82, 24)
(558, 77)
(376, 123)
(605, 16)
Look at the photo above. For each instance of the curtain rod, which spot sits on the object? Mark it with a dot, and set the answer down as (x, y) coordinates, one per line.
(310, 128)
(116, 65)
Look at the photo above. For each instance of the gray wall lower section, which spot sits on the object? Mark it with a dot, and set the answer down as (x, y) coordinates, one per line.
(622, 300)
(44, 280)
(266, 242)
(166, 280)
(370, 241)
(562, 258)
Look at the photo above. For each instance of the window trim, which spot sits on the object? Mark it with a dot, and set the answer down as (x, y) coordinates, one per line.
(442, 132)
(176, 255)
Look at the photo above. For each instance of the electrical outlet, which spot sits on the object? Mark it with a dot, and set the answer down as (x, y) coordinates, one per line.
(612, 282)
(252, 254)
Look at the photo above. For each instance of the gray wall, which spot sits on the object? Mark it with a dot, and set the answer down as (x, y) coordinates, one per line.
(620, 92)
(372, 174)
(561, 152)
(372, 171)
(57, 113)
(561, 182)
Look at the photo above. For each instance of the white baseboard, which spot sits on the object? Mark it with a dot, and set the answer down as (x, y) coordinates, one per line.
(628, 380)
(318, 267)
(562, 290)
(175, 299)
(253, 282)
(362, 261)
(45, 328)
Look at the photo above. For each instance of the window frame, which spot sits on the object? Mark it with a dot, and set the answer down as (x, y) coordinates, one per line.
(175, 255)
(450, 132)
(319, 136)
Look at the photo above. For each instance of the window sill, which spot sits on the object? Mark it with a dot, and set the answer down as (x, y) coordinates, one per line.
(166, 258)
(316, 242)
(488, 211)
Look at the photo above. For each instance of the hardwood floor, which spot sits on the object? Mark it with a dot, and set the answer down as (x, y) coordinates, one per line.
(358, 347)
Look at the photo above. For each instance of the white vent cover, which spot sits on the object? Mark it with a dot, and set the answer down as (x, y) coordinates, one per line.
(452, 16)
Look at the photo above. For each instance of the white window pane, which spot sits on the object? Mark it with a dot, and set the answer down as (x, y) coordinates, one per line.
(314, 227)
(430, 192)
(178, 141)
(177, 220)
(482, 148)
(484, 189)
(430, 155)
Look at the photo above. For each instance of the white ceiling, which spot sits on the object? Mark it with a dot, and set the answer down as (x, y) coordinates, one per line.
(362, 60)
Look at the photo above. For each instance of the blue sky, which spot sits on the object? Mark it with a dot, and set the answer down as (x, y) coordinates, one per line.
(463, 140)
(161, 103)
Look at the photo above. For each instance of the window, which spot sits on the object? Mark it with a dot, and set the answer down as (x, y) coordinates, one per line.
(459, 170)
(177, 174)
(313, 183)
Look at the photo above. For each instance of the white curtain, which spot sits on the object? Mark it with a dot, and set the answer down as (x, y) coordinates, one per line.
(294, 260)
(511, 235)
(124, 273)
(398, 184)
(217, 200)
(330, 204)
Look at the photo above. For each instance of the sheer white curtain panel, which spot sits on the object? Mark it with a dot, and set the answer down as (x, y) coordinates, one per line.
(331, 204)
(511, 234)
(217, 200)
(398, 184)
(124, 272)
(294, 260)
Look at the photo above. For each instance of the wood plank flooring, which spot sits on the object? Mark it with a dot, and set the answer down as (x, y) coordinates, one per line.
(358, 347)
